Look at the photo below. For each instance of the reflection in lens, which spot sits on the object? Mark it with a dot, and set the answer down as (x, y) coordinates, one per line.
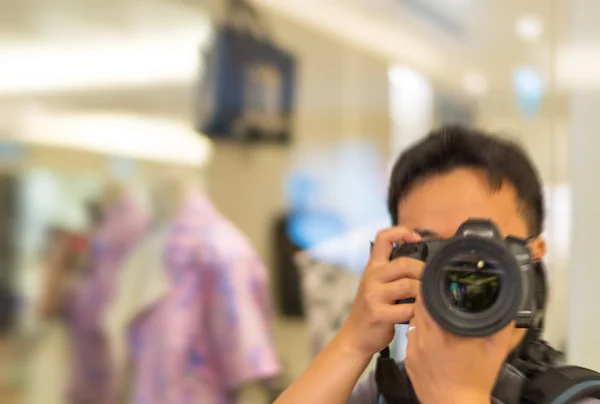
(471, 283)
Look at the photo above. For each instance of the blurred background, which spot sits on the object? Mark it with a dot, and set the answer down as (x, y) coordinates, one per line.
(286, 116)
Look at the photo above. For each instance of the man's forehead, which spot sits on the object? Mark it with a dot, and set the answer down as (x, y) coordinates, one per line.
(426, 233)
(440, 205)
(446, 229)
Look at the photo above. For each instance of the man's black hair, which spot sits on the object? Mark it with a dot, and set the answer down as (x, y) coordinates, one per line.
(451, 147)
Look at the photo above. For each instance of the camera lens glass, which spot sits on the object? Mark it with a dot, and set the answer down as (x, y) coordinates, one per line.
(471, 282)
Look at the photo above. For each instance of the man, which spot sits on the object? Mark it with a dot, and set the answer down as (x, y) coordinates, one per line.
(450, 176)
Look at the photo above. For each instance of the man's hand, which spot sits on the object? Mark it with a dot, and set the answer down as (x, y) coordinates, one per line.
(369, 327)
(370, 324)
(445, 368)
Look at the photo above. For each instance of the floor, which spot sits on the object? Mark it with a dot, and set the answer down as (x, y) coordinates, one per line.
(292, 343)
(12, 353)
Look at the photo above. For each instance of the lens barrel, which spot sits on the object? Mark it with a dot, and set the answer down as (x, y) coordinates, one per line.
(473, 298)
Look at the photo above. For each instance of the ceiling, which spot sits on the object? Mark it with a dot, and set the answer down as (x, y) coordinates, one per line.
(447, 39)
(462, 35)
(70, 45)
(73, 20)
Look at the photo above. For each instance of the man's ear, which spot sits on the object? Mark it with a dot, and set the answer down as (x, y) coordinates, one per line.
(538, 248)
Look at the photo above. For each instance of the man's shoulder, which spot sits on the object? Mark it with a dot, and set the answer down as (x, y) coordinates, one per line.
(367, 392)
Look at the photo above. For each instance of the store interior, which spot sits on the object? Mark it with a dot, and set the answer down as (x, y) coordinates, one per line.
(94, 92)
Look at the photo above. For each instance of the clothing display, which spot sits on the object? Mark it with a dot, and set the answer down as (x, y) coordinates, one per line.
(203, 330)
(123, 226)
(331, 275)
(351, 250)
(329, 291)
(142, 282)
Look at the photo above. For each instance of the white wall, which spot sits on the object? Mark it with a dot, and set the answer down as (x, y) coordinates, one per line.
(546, 139)
(584, 278)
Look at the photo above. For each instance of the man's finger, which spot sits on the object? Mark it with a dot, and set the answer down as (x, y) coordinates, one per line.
(382, 248)
(396, 313)
(401, 268)
(400, 289)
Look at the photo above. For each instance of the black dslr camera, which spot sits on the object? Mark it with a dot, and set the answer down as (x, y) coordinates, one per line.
(476, 283)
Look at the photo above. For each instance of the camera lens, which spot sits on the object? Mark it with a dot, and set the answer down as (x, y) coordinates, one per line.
(471, 283)
(472, 286)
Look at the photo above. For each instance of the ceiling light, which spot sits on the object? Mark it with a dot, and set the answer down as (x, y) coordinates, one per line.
(475, 83)
(529, 28)
(51, 67)
(577, 67)
(129, 136)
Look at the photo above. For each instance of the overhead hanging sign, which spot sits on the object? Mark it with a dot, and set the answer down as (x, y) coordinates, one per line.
(248, 89)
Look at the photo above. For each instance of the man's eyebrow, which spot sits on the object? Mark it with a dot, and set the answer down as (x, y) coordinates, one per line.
(426, 233)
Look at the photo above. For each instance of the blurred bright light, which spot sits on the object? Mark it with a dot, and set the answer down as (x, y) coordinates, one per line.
(578, 67)
(46, 67)
(128, 136)
(529, 88)
(345, 177)
(332, 189)
(406, 79)
(411, 106)
(529, 28)
(475, 83)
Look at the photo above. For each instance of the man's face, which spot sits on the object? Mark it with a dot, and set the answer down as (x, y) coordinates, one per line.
(441, 203)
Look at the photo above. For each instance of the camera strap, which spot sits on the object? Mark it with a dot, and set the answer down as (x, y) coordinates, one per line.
(394, 385)
(392, 381)
(533, 376)
(549, 380)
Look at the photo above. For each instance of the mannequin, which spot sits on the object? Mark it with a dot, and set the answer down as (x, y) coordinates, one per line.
(209, 291)
(169, 193)
(120, 225)
(142, 281)
(62, 269)
(64, 265)
(112, 193)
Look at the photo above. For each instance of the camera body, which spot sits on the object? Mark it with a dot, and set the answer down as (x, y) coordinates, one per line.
(477, 282)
